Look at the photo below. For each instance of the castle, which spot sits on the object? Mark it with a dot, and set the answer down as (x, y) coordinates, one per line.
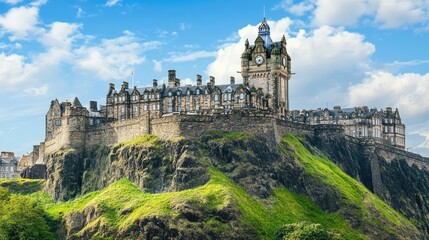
(260, 104)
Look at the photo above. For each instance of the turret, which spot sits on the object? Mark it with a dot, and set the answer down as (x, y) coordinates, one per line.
(264, 32)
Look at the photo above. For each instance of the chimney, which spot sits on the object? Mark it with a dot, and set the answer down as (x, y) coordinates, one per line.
(337, 108)
(199, 80)
(93, 106)
(124, 85)
(212, 80)
(111, 89)
(171, 78)
(7, 154)
(232, 80)
(155, 83)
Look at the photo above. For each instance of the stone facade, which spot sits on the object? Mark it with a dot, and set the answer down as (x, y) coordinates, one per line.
(384, 126)
(8, 165)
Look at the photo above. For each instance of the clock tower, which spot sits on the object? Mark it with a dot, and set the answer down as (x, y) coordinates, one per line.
(266, 67)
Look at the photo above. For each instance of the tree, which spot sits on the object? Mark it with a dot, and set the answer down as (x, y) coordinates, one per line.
(303, 231)
(22, 218)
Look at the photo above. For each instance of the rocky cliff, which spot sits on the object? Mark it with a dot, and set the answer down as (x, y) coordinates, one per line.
(234, 186)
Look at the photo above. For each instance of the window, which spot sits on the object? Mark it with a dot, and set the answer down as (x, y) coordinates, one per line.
(145, 107)
(136, 108)
(216, 97)
(91, 121)
(170, 109)
(145, 97)
(241, 96)
(57, 122)
(154, 107)
(122, 110)
(157, 106)
(169, 94)
(170, 100)
(198, 91)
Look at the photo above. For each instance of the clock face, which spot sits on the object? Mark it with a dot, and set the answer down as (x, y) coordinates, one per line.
(284, 62)
(259, 59)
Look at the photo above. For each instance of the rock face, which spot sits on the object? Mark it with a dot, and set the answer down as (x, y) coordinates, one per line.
(404, 187)
(156, 166)
(152, 165)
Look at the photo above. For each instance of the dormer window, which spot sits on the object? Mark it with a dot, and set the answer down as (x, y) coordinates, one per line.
(188, 92)
(198, 91)
(178, 93)
(169, 94)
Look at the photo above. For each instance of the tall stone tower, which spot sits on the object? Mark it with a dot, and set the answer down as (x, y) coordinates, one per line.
(266, 65)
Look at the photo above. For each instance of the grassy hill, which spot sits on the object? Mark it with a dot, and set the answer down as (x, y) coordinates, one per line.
(303, 186)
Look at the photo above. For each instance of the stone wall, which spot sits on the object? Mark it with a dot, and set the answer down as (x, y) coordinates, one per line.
(76, 135)
(389, 153)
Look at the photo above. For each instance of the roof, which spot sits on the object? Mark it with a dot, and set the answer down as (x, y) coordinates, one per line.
(76, 103)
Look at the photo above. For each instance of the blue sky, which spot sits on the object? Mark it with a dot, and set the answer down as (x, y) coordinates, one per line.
(344, 52)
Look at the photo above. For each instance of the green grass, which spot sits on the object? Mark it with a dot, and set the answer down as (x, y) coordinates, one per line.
(148, 140)
(21, 185)
(353, 191)
(122, 204)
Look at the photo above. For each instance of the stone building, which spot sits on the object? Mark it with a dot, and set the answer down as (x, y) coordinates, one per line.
(385, 126)
(8, 165)
(169, 110)
(265, 70)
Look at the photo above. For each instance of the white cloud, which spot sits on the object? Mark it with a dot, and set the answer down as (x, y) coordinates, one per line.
(399, 13)
(384, 13)
(14, 70)
(188, 57)
(300, 8)
(409, 92)
(335, 57)
(79, 12)
(343, 12)
(37, 91)
(111, 3)
(112, 59)
(12, 2)
(157, 66)
(61, 35)
(183, 26)
(146, 46)
(296, 9)
(38, 3)
(20, 22)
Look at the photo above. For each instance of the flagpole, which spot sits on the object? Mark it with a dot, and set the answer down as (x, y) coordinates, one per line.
(132, 76)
